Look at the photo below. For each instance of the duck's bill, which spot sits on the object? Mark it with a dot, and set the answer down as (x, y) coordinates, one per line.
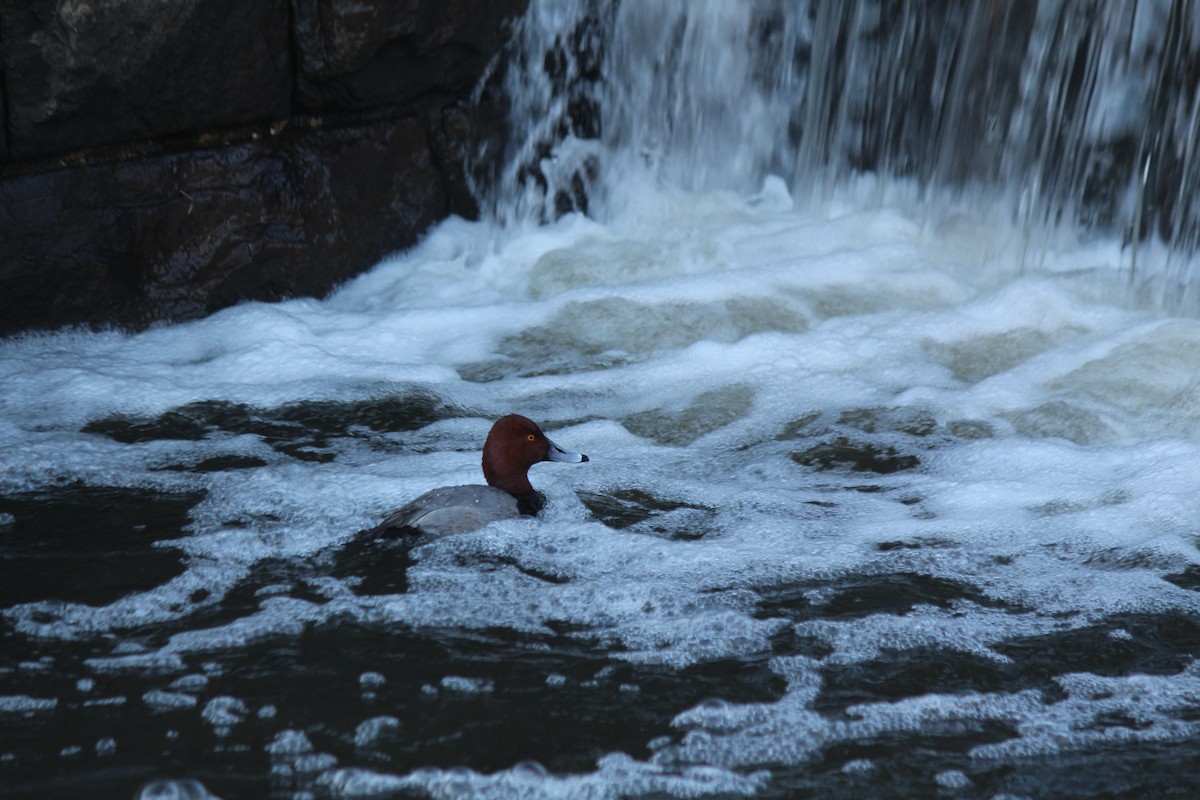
(556, 453)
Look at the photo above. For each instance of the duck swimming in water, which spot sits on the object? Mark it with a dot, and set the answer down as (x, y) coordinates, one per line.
(514, 444)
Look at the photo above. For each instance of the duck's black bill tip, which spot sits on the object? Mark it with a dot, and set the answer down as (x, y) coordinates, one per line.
(556, 453)
(583, 458)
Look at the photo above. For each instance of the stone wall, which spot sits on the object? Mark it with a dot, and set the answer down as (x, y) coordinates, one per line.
(162, 159)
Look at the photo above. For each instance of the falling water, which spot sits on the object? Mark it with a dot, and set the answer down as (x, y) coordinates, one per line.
(1063, 121)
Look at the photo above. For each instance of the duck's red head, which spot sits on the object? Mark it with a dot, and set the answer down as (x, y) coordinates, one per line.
(515, 444)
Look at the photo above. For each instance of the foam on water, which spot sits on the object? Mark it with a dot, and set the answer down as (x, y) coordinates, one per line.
(776, 404)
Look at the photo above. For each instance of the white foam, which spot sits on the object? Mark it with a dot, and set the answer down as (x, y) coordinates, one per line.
(161, 700)
(26, 705)
(369, 731)
(694, 348)
(1155, 707)
(952, 779)
(190, 683)
(371, 680)
(105, 701)
(464, 685)
(224, 712)
(617, 776)
(289, 743)
(183, 789)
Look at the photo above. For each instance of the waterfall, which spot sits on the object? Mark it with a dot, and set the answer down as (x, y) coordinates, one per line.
(1065, 119)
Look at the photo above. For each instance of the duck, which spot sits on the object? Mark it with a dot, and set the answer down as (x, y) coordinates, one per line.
(514, 444)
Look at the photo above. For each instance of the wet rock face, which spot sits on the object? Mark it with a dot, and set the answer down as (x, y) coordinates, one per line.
(360, 55)
(83, 74)
(182, 235)
(3, 115)
(162, 160)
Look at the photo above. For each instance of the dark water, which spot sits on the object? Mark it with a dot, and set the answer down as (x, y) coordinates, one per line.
(378, 696)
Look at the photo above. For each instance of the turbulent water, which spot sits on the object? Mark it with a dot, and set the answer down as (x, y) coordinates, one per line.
(873, 510)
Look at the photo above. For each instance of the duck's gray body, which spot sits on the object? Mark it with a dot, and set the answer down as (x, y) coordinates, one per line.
(513, 445)
(452, 509)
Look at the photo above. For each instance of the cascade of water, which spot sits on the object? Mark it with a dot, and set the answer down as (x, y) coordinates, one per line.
(1066, 118)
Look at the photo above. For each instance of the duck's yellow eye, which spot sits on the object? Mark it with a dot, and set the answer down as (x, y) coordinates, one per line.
(532, 437)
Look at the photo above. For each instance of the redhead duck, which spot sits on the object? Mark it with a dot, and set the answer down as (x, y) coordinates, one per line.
(514, 444)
